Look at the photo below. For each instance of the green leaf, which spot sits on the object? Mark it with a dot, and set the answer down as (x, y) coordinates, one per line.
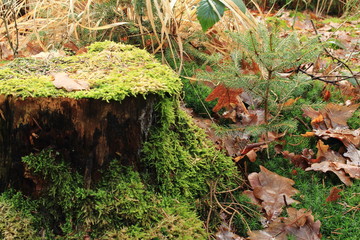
(241, 5)
(209, 13)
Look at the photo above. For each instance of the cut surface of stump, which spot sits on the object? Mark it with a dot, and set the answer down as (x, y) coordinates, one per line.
(91, 126)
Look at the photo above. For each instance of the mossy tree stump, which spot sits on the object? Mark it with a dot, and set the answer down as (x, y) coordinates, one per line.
(88, 127)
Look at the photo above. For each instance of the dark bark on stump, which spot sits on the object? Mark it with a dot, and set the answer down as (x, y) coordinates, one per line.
(87, 132)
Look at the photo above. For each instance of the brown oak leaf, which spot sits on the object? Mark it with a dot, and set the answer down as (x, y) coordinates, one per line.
(334, 195)
(347, 136)
(272, 190)
(331, 116)
(332, 161)
(300, 224)
(300, 160)
(227, 97)
(250, 151)
(275, 231)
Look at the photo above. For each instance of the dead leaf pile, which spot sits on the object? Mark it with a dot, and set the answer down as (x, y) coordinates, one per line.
(330, 123)
(273, 192)
(299, 224)
(330, 160)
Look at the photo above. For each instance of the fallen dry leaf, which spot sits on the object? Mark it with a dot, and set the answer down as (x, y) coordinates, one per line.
(303, 161)
(333, 116)
(250, 151)
(353, 154)
(291, 101)
(5, 53)
(227, 97)
(334, 195)
(249, 68)
(331, 123)
(273, 191)
(299, 224)
(275, 231)
(34, 48)
(329, 160)
(347, 136)
(62, 80)
(225, 233)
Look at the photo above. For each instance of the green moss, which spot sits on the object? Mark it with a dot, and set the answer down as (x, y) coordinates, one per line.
(14, 224)
(121, 200)
(179, 222)
(333, 20)
(354, 121)
(182, 159)
(113, 70)
(168, 198)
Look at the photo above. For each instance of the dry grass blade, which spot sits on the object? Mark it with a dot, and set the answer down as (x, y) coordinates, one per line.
(51, 23)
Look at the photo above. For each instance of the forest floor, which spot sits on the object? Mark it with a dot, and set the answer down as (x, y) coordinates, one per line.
(305, 182)
(304, 165)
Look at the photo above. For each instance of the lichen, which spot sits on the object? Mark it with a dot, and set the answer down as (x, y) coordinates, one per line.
(113, 70)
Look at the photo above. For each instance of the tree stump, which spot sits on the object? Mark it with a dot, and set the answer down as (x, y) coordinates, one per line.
(88, 127)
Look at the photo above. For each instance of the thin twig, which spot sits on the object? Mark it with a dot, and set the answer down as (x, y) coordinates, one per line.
(321, 78)
(333, 57)
(300, 120)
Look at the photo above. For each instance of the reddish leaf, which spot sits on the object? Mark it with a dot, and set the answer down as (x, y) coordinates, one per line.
(302, 161)
(334, 195)
(227, 97)
(326, 95)
(72, 46)
(81, 50)
(208, 68)
(291, 101)
(250, 151)
(34, 48)
(249, 68)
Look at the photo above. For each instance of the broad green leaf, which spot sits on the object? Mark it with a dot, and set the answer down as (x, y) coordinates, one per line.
(209, 13)
(240, 4)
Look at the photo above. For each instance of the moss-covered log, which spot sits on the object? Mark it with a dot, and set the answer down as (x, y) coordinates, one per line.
(88, 127)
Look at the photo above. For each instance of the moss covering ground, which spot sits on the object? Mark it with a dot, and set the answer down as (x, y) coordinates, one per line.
(114, 71)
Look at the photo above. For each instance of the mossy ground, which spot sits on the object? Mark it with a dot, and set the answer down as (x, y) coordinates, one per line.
(339, 219)
(114, 71)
